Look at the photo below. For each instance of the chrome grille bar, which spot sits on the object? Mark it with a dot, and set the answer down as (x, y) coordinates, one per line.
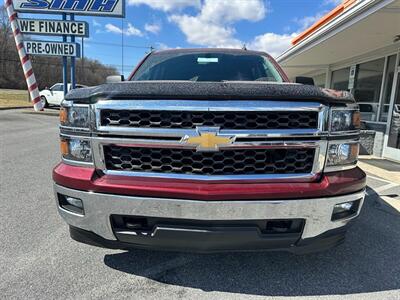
(214, 106)
(248, 139)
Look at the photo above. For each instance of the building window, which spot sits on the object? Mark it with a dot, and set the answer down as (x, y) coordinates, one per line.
(367, 88)
(319, 80)
(387, 89)
(394, 133)
(340, 79)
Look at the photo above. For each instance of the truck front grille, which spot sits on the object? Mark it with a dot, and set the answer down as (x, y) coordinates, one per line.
(266, 120)
(217, 140)
(224, 162)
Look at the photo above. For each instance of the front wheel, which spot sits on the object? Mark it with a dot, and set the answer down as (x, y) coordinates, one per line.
(44, 101)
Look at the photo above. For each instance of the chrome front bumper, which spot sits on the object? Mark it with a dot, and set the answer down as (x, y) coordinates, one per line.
(98, 208)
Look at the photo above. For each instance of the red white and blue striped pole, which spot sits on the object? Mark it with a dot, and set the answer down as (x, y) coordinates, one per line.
(24, 58)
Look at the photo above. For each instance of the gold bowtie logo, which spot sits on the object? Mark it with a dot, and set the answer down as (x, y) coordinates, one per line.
(208, 141)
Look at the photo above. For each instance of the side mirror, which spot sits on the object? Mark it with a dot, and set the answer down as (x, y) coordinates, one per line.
(115, 78)
(305, 80)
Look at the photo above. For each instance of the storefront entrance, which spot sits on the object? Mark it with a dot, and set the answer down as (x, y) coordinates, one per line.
(392, 138)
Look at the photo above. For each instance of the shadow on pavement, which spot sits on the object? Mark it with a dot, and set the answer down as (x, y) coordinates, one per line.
(367, 262)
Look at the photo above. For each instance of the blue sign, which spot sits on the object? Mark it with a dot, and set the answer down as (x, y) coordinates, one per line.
(108, 8)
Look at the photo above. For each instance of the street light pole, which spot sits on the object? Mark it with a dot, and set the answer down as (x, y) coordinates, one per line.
(82, 60)
(122, 46)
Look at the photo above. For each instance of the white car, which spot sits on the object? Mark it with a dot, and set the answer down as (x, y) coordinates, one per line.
(55, 94)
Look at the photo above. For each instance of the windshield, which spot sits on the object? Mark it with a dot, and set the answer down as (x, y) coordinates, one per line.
(207, 66)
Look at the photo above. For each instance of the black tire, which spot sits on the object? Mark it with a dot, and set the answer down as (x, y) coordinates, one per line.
(44, 100)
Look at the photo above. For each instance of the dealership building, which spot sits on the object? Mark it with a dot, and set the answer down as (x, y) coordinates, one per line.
(356, 47)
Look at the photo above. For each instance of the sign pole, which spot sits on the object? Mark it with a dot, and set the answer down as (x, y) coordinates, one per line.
(65, 63)
(73, 60)
(24, 58)
(82, 58)
(72, 28)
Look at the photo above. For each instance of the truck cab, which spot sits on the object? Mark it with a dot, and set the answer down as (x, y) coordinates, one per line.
(209, 150)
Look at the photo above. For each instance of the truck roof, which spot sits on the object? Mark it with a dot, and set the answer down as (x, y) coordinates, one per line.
(218, 50)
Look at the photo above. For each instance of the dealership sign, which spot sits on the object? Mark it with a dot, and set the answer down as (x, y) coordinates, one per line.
(54, 27)
(108, 8)
(68, 29)
(52, 48)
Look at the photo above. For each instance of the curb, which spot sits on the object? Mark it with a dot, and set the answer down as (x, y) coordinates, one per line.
(387, 175)
(29, 110)
(14, 107)
(43, 113)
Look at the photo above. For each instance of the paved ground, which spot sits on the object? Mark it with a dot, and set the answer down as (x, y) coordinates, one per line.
(38, 259)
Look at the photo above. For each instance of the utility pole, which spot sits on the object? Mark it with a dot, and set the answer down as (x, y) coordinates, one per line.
(82, 60)
(122, 46)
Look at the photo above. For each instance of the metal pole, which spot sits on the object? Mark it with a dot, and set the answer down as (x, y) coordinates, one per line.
(122, 46)
(24, 58)
(73, 59)
(82, 58)
(65, 63)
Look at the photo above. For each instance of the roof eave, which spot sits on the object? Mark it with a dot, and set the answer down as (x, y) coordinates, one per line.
(333, 27)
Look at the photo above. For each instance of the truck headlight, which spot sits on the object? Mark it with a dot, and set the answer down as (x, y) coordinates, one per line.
(345, 120)
(340, 154)
(75, 116)
(76, 149)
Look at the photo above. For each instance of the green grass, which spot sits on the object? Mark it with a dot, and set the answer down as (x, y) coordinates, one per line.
(14, 98)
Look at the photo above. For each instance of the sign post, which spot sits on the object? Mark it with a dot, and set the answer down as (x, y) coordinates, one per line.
(24, 58)
(73, 73)
(65, 63)
(65, 28)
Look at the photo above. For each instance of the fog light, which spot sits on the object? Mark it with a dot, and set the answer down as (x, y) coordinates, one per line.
(345, 210)
(71, 204)
(74, 201)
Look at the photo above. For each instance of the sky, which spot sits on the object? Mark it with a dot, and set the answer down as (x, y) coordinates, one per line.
(266, 25)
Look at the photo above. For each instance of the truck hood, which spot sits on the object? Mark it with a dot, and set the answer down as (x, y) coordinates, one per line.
(232, 90)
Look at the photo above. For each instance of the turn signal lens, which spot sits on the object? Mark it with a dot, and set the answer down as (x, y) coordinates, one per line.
(357, 119)
(64, 147)
(345, 120)
(76, 116)
(63, 115)
(76, 149)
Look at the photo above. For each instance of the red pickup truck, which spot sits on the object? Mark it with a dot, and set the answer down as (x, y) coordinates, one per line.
(209, 150)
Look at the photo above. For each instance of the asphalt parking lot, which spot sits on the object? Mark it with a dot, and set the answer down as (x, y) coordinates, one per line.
(38, 260)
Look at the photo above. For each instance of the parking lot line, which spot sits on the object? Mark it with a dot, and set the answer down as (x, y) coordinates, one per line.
(388, 175)
(395, 203)
(386, 187)
(379, 178)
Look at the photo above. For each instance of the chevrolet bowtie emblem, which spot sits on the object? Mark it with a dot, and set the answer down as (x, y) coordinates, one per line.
(208, 140)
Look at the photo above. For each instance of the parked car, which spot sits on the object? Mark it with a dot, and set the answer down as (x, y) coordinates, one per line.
(55, 94)
(209, 150)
